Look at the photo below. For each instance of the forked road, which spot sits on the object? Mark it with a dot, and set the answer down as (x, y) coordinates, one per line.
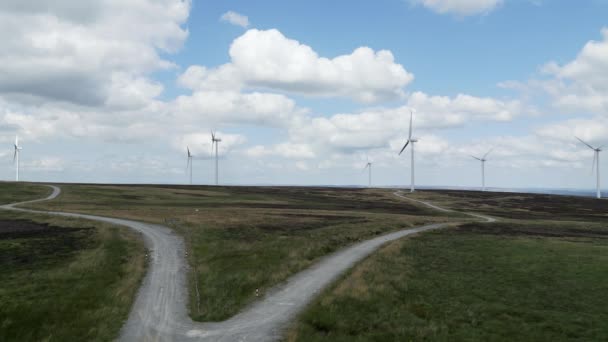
(430, 205)
(160, 314)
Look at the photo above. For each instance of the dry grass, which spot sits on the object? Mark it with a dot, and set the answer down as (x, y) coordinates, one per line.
(539, 279)
(70, 279)
(243, 239)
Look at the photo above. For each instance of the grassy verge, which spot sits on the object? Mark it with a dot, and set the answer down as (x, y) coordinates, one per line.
(65, 279)
(513, 280)
(243, 239)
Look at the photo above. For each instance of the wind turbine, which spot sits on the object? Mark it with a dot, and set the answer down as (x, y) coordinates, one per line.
(16, 157)
(596, 163)
(413, 141)
(189, 164)
(483, 169)
(215, 141)
(369, 165)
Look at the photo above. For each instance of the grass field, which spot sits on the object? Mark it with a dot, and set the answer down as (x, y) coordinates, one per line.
(241, 239)
(540, 278)
(19, 192)
(63, 279)
(540, 273)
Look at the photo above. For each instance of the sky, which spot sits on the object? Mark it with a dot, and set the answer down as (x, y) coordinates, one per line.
(304, 92)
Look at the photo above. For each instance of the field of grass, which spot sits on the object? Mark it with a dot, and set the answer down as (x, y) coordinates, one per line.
(18, 192)
(243, 239)
(540, 279)
(541, 273)
(64, 279)
(520, 206)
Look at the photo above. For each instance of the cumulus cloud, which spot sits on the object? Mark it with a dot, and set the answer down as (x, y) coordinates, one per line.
(374, 128)
(200, 144)
(214, 107)
(268, 59)
(581, 84)
(460, 7)
(86, 54)
(286, 150)
(235, 19)
(593, 131)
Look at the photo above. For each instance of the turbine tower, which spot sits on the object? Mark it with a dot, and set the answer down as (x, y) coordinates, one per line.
(189, 164)
(483, 169)
(16, 158)
(216, 141)
(369, 165)
(413, 141)
(596, 164)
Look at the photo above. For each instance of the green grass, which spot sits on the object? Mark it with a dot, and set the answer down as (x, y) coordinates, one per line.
(65, 279)
(539, 274)
(19, 192)
(508, 281)
(243, 239)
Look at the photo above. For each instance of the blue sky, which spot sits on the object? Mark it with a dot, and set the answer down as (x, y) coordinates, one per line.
(304, 91)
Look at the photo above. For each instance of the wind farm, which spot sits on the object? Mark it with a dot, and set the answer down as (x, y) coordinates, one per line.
(423, 177)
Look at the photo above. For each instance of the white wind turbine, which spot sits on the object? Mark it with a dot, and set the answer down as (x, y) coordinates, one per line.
(369, 165)
(413, 141)
(596, 164)
(16, 157)
(483, 169)
(189, 164)
(215, 141)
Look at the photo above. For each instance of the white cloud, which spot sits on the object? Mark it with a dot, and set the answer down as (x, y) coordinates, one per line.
(460, 7)
(581, 84)
(85, 54)
(200, 144)
(214, 107)
(235, 19)
(593, 131)
(374, 128)
(268, 59)
(45, 164)
(286, 150)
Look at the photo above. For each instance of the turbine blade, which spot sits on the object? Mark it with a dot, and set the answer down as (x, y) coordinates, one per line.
(411, 116)
(404, 146)
(188, 164)
(212, 135)
(485, 155)
(476, 158)
(579, 139)
(15, 155)
(593, 163)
